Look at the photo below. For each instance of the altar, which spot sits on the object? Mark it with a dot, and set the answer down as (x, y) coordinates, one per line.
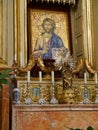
(68, 100)
(54, 103)
(71, 111)
(72, 45)
(54, 117)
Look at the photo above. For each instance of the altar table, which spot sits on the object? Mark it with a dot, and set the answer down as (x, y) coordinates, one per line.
(54, 117)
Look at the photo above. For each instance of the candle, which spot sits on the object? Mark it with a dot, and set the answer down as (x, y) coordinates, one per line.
(85, 79)
(95, 77)
(53, 77)
(28, 77)
(40, 76)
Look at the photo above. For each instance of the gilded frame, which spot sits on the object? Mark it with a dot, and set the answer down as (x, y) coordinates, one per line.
(61, 17)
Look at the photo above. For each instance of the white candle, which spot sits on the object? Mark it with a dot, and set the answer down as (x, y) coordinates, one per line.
(40, 76)
(85, 78)
(95, 77)
(28, 77)
(53, 77)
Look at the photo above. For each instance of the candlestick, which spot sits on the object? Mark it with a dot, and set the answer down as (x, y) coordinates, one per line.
(28, 80)
(85, 90)
(96, 78)
(53, 77)
(40, 76)
(85, 78)
(28, 98)
(41, 99)
(53, 99)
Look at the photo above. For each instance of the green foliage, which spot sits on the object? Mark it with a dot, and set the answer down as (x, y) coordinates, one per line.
(3, 81)
(90, 128)
(3, 75)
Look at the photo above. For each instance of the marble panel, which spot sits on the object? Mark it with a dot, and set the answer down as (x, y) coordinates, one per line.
(54, 117)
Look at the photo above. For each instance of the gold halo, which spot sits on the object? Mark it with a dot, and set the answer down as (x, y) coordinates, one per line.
(51, 16)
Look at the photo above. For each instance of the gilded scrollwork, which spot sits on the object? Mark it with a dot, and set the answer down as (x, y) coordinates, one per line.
(69, 96)
(59, 92)
(23, 92)
(64, 96)
(46, 91)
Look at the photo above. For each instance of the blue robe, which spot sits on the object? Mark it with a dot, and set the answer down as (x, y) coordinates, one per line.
(56, 42)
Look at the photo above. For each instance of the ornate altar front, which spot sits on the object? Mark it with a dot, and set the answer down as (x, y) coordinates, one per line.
(74, 95)
(70, 112)
(76, 106)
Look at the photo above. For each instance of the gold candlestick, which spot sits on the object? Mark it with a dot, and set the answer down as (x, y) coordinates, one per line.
(41, 100)
(53, 99)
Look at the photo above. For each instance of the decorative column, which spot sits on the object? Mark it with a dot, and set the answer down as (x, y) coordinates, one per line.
(6, 30)
(87, 28)
(20, 17)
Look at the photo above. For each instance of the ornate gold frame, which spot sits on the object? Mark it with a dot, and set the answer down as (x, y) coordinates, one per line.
(20, 17)
(60, 16)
